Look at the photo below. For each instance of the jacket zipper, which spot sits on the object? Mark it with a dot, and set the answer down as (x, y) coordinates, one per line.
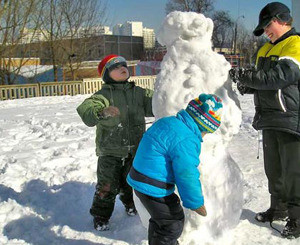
(128, 121)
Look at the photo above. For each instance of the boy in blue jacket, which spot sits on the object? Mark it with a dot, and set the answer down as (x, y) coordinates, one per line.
(168, 155)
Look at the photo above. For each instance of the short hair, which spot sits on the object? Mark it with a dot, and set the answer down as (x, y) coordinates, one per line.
(288, 23)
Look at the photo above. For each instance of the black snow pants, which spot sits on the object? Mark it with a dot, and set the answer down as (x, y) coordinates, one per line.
(111, 181)
(167, 218)
(282, 167)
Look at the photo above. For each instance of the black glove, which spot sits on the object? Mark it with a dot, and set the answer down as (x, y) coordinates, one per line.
(237, 74)
(233, 74)
(241, 88)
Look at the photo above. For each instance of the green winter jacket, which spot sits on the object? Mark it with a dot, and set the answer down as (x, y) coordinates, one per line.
(118, 136)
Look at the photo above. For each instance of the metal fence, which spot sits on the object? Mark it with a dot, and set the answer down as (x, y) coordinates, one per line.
(86, 86)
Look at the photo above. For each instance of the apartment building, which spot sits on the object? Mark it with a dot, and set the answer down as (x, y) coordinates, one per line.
(32, 35)
(135, 28)
(149, 38)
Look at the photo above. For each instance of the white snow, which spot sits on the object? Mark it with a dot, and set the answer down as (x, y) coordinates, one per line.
(48, 162)
(33, 70)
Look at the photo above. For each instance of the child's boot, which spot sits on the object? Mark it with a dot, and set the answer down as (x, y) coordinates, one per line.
(130, 210)
(101, 224)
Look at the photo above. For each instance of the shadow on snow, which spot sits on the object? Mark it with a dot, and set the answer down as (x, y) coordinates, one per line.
(60, 206)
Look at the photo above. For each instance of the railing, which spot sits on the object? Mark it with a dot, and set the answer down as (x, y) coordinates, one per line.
(59, 89)
(86, 86)
(19, 91)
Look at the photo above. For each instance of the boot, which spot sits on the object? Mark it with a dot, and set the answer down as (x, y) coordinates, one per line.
(131, 211)
(101, 224)
(291, 229)
(271, 215)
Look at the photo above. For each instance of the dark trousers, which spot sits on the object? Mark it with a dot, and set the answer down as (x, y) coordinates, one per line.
(111, 181)
(167, 218)
(282, 167)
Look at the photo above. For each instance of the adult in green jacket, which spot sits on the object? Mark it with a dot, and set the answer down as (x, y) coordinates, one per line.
(275, 84)
(118, 111)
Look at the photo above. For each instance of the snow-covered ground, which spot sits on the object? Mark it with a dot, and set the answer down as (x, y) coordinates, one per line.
(48, 172)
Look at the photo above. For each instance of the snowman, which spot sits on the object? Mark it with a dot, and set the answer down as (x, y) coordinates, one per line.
(189, 68)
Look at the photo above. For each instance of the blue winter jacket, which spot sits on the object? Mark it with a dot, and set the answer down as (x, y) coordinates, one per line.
(169, 154)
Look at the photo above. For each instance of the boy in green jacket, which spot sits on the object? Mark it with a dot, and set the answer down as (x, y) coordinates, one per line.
(118, 111)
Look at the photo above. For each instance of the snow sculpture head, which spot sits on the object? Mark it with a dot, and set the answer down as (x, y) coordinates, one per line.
(177, 26)
(194, 66)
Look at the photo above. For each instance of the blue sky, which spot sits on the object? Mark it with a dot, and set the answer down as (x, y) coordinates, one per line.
(152, 12)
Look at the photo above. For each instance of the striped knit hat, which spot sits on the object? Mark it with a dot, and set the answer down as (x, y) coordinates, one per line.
(206, 111)
(110, 62)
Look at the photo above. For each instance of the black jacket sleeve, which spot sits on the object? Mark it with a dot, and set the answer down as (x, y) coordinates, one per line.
(286, 72)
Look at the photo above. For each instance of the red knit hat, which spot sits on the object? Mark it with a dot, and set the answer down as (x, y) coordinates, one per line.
(109, 62)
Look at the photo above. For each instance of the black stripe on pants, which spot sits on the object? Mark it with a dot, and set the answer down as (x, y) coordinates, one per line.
(167, 218)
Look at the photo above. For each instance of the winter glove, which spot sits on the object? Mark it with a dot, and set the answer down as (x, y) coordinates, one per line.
(110, 111)
(245, 74)
(201, 210)
(241, 88)
(234, 74)
(238, 76)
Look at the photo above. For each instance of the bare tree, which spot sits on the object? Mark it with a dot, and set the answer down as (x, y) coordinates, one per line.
(62, 22)
(223, 31)
(198, 6)
(82, 19)
(50, 22)
(15, 15)
(249, 48)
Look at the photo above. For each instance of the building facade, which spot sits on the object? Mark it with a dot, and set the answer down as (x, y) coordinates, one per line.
(32, 35)
(132, 28)
(94, 31)
(129, 28)
(149, 38)
(295, 14)
(83, 49)
(136, 29)
(117, 30)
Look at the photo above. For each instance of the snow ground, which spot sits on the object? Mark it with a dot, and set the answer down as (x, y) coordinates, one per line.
(48, 172)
